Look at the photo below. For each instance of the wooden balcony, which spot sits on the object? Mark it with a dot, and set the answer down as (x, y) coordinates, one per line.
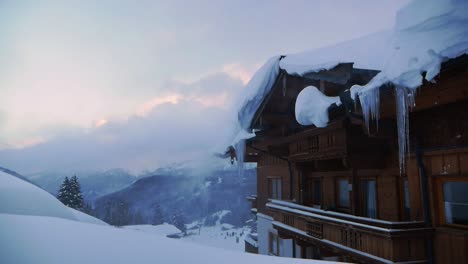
(327, 145)
(362, 239)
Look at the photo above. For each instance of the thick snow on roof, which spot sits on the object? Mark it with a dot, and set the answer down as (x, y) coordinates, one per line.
(256, 90)
(39, 239)
(365, 52)
(426, 33)
(312, 107)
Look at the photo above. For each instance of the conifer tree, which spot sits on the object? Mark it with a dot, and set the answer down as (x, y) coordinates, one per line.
(178, 221)
(157, 218)
(64, 194)
(70, 193)
(76, 199)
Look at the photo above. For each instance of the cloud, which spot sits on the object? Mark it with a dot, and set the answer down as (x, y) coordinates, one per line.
(237, 70)
(100, 122)
(90, 81)
(146, 107)
(171, 129)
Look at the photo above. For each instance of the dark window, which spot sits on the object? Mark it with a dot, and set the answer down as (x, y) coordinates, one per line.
(368, 198)
(456, 202)
(406, 200)
(317, 192)
(313, 192)
(274, 188)
(343, 194)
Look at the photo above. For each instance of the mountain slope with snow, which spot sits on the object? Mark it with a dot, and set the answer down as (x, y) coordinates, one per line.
(36, 228)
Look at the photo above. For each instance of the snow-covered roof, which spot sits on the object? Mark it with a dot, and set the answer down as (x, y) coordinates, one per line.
(357, 51)
(312, 106)
(256, 90)
(426, 33)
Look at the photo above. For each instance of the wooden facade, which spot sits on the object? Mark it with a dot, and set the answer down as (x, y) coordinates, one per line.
(339, 189)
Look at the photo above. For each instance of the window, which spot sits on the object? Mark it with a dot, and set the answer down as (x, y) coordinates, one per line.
(274, 188)
(368, 198)
(314, 192)
(455, 202)
(317, 192)
(273, 244)
(343, 194)
(406, 200)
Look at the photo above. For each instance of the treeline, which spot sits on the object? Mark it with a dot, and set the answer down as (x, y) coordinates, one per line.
(117, 212)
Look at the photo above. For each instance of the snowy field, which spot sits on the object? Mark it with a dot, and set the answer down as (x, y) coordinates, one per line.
(36, 228)
(219, 237)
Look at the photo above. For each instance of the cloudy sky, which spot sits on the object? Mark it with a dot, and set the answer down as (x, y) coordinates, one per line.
(141, 84)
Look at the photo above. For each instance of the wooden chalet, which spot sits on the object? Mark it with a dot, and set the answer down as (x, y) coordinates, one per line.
(337, 193)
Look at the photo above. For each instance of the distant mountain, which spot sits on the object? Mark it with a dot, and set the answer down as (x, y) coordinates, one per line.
(195, 197)
(93, 184)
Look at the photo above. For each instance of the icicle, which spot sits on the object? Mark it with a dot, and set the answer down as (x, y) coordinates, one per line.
(404, 102)
(370, 104)
(240, 153)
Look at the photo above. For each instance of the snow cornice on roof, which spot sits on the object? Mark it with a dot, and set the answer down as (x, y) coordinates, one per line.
(426, 34)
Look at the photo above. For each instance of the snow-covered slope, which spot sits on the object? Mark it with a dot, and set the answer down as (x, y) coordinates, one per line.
(20, 197)
(39, 239)
(85, 218)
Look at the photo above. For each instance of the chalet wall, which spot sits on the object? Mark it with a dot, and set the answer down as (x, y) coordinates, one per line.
(450, 246)
(271, 167)
(388, 196)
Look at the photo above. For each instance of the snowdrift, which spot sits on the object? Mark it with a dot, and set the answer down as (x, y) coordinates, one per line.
(20, 197)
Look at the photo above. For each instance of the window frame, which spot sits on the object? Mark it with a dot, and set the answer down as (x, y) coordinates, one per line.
(441, 200)
(405, 215)
(273, 181)
(337, 192)
(273, 236)
(363, 196)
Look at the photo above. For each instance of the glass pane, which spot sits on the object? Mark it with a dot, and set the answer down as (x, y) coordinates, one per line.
(273, 189)
(456, 202)
(343, 193)
(371, 202)
(407, 202)
(274, 245)
(317, 192)
(279, 194)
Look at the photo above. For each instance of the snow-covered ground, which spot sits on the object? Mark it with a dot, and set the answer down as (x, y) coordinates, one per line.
(160, 230)
(222, 236)
(219, 236)
(36, 228)
(42, 239)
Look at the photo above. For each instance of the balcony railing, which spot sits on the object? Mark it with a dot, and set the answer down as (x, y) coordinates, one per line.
(359, 237)
(326, 145)
(253, 200)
